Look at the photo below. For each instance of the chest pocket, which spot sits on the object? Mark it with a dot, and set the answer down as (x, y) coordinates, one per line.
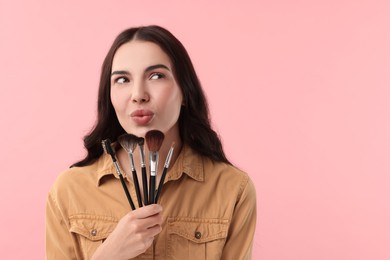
(90, 231)
(194, 238)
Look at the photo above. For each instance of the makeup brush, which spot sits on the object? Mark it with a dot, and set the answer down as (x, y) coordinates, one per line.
(166, 165)
(108, 149)
(129, 142)
(154, 140)
(141, 142)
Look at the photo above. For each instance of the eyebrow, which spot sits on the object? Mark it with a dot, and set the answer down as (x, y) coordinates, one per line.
(152, 67)
(120, 72)
(157, 66)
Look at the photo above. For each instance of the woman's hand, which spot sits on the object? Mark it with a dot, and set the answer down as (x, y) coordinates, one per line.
(133, 235)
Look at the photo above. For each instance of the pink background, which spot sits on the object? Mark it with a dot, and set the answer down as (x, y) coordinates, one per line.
(299, 91)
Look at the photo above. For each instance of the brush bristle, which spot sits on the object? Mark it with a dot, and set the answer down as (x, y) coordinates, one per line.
(107, 148)
(154, 140)
(128, 142)
(106, 143)
(141, 141)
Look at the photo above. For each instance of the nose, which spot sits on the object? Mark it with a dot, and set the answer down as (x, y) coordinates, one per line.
(139, 93)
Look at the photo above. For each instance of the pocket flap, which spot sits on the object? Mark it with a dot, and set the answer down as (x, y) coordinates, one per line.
(92, 227)
(198, 230)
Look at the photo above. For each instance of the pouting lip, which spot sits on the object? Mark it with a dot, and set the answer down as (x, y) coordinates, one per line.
(141, 113)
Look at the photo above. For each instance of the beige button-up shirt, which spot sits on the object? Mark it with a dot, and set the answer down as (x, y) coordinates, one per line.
(209, 211)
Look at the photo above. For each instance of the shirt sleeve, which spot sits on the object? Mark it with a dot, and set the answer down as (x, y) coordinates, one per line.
(242, 228)
(59, 244)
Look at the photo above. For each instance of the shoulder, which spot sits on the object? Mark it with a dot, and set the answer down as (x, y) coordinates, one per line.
(230, 176)
(74, 175)
(225, 169)
(74, 179)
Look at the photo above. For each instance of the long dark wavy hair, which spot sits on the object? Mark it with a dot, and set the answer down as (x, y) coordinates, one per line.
(194, 121)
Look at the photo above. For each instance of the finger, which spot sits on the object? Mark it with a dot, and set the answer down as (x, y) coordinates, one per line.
(150, 221)
(146, 211)
(152, 231)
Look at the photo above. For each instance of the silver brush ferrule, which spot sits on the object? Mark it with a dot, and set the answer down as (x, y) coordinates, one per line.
(142, 153)
(153, 163)
(117, 168)
(169, 157)
(131, 161)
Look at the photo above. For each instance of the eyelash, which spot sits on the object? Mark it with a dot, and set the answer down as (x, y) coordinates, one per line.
(126, 80)
(120, 78)
(160, 75)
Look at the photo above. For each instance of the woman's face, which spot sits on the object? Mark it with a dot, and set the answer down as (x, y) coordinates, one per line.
(144, 91)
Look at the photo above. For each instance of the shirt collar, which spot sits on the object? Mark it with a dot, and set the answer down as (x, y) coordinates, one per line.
(188, 162)
(105, 167)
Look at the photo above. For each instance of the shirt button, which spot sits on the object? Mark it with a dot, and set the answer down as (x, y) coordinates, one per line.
(93, 232)
(198, 235)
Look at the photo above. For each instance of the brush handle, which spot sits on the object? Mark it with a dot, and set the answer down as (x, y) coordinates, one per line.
(137, 190)
(127, 192)
(118, 171)
(145, 185)
(166, 165)
(152, 188)
(153, 156)
(135, 179)
(160, 185)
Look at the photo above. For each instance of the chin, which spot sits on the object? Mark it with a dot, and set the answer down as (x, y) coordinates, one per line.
(139, 131)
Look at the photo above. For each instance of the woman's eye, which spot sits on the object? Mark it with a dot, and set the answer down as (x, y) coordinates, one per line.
(121, 80)
(157, 76)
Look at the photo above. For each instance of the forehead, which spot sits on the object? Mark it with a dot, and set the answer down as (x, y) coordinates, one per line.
(138, 53)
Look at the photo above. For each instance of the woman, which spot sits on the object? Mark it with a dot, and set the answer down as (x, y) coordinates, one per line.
(207, 209)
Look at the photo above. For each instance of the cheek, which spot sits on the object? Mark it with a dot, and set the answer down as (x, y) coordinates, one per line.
(173, 96)
(173, 103)
(169, 105)
(115, 100)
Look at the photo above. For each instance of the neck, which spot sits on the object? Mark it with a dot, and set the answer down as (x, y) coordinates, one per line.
(124, 160)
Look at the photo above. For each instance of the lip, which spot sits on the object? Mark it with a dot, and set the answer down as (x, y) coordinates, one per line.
(142, 116)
